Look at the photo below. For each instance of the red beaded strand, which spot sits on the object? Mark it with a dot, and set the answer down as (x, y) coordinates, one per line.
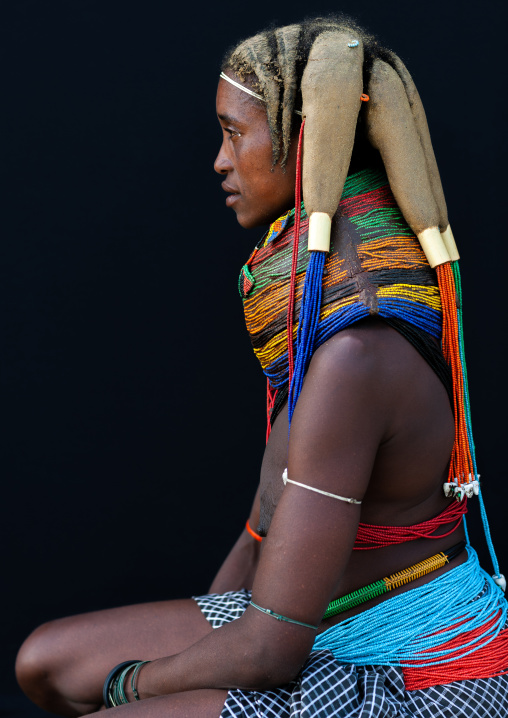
(270, 401)
(371, 536)
(461, 463)
(270, 392)
(485, 662)
(294, 260)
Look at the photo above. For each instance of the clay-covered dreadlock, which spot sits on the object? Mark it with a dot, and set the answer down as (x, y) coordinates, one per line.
(323, 65)
(274, 60)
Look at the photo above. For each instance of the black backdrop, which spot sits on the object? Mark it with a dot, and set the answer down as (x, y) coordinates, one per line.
(133, 406)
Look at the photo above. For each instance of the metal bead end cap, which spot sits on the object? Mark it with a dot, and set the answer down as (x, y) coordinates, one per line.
(500, 581)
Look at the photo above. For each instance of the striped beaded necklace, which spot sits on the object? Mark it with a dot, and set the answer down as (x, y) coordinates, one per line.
(296, 300)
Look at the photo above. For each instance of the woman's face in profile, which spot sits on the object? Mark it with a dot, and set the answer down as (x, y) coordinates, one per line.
(258, 192)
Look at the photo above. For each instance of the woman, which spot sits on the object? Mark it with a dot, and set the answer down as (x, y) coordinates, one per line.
(373, 413)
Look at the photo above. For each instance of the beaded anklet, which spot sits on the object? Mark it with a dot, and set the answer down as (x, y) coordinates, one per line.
(384, 585)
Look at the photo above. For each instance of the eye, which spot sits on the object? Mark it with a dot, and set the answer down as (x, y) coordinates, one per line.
(232, 133)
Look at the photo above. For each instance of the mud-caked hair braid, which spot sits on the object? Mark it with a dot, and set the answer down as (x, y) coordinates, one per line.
(273, 62)
(322, 66)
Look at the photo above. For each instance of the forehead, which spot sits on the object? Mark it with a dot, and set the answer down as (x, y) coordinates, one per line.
(233, 103)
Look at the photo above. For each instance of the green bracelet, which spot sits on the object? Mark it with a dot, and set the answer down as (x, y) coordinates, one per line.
(133, 679)
(113, 693)
(119, 695)
(282, 618)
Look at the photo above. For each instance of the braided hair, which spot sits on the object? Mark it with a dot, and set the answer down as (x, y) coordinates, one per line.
(391, 127)
(273, 62)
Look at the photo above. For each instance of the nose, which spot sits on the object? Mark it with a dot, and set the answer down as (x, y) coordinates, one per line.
(222, 164)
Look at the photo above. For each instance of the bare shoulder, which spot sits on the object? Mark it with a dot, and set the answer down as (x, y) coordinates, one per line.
(373, 406)
(369, 365)
(367, 347)
(379, 366)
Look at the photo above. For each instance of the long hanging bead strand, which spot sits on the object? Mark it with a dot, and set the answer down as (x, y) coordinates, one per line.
(271, 393)
(310, 305)
(270, 401)
(467, 405)
(461, 464)
(498, 577)
(294, 259)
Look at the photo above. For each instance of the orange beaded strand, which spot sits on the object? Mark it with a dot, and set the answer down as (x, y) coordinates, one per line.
(461, 464)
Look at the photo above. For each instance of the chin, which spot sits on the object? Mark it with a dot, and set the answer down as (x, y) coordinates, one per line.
(249, 222)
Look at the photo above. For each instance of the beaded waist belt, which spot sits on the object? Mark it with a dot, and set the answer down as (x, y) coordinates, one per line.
(446, 630)
(378, 588)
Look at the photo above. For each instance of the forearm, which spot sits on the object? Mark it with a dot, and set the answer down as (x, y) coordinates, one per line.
(239, 568)
(230, 657)
(310, 542)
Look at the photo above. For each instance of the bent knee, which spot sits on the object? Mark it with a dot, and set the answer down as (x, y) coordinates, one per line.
(52, 672)
(39, 662)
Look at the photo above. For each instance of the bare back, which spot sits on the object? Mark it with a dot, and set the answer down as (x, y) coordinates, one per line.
(411, 460)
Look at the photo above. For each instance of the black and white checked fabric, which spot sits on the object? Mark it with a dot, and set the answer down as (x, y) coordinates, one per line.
(325, 687)
(221, 608)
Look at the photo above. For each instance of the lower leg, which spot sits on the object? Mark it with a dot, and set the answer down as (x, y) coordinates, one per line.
(63, 664)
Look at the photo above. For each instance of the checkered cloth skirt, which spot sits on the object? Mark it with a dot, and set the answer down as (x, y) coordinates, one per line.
(325, 687)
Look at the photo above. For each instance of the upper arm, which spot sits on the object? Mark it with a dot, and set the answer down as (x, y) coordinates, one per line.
(335, 434)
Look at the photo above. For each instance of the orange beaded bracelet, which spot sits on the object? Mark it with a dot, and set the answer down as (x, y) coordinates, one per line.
(252, 533)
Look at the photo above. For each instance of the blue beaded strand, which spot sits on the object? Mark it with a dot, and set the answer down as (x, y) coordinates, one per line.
(415, 624)
(467, 407)
(307, 325)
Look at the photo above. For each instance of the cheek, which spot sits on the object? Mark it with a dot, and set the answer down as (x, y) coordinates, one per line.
(281, 188)
(254, 163)
(257, 170)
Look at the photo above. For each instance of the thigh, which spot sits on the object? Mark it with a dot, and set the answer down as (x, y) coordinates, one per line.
(69, 658)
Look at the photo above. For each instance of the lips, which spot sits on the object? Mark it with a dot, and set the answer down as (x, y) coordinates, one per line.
(233, 194)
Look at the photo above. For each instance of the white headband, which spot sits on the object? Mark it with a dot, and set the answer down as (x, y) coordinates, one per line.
(249, 92)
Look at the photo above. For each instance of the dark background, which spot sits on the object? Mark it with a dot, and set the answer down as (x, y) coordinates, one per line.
(133, 405)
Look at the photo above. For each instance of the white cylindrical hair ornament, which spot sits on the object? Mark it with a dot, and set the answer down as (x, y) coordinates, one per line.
(392, 130)
(450, 245)
(332, 84)
(320, 226)
(432, 244)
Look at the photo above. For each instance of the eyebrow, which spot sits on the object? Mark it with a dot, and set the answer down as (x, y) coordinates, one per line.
(229, 118)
